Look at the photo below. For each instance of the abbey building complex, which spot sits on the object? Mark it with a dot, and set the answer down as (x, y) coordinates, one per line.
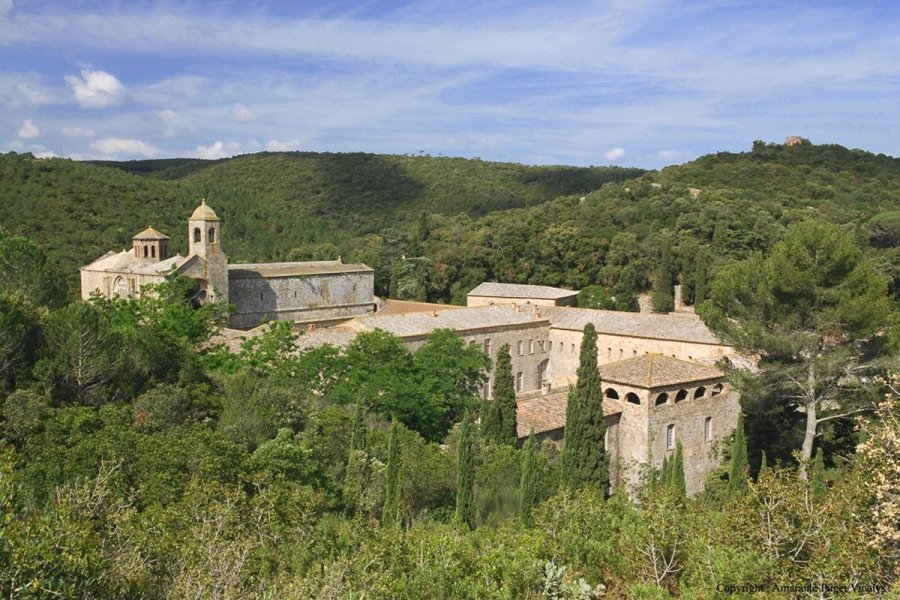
(660, 381)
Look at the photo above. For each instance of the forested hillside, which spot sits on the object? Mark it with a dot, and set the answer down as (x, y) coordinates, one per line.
(140, 460)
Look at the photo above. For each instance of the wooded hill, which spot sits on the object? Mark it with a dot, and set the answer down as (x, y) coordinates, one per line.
(434, 227)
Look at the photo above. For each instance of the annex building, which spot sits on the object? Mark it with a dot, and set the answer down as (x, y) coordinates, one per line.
(306, 292)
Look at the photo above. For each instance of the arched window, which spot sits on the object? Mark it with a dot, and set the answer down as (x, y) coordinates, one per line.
(670, 436)
(519, 381)
(632, 398)
(542, 372)
(120, 288)
(611, 393)
(196, 235)
(681, 395)
(662, 399)
(707, 429)
(701, 391)
(212, 235)
(153, 251)
(717, 389)
(146, 250)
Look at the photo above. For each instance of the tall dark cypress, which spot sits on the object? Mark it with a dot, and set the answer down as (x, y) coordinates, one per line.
(390, 516)
(700, 278)
(737, 472)
(571, 441)
(677, 471)
(528, 485)
(500, 426)
(465, 475)
(593, 462)
(360, 430)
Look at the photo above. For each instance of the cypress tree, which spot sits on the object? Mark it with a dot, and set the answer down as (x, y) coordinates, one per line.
(700, 277)
(571, 441)
(737, 474)
(593, 462)
(528, 485)
(763, 463)
(465, 475)
(677, 482)
(500, 426)
(664, 478)
(390, 516)
(359, 433)
(817, 485)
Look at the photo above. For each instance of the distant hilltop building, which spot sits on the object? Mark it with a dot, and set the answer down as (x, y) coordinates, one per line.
(309, 292)
(793, 140)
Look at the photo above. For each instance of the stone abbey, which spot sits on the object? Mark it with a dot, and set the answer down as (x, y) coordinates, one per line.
(661, 385)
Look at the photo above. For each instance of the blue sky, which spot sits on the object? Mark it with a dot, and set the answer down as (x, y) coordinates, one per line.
(583, 83)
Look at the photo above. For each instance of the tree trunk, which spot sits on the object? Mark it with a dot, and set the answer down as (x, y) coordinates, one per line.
(812, 420)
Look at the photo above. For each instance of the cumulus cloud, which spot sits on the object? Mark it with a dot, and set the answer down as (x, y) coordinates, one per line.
(282, 146)
(615, 154)
(77, 131)
(242, 114)
(218, 150)
(29, 130)
(173, 123)
(97, 89)
(124, 148)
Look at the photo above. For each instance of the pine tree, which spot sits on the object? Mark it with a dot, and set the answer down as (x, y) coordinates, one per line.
(700, 278)
(500, 425)
(817, 485)
(528, 486)
(593, 462)
(737, 474)
(465, 475)
(571, 441)
(359, 433)
(390, 516)
(676, 477)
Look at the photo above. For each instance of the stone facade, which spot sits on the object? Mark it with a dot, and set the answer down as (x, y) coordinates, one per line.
(508, 294)
(313, 292)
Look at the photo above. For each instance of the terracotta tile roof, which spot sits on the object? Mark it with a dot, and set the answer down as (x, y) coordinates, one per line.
(513, 290)
(683, 327)
(548, 413)
(656, 370)
(401, 307)
(150, 234)
(292, 269)
(461, 319)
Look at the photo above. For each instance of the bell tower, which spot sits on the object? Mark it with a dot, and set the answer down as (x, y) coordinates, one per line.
(205, 242)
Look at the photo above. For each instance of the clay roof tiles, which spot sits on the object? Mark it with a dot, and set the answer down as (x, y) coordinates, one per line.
(461, 319)
(514, 290)
(655, 370)
(687, 328)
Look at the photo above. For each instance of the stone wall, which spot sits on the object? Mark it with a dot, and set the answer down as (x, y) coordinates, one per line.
(303, 298)
(688, 417)
(519, 302)
(105, 282)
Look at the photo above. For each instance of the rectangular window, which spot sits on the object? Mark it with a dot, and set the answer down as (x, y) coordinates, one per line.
(670, 437)
(487, 389)
(573, 348)
(707, 429)
(519, 346)
(519, 381)
(530, 346)
(487, 346)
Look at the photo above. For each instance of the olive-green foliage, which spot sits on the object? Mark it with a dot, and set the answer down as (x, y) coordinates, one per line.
(392, 515)
(465, 475)
(25, 268)
(737, 470)
(528, 487)
(817, 485)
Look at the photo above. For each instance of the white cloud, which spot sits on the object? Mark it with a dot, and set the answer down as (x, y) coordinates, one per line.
(218, 150)
(97, 89)
(77, 131)
(282, 146)
(29, 130)
(615, 154)
(242, 114)
(114, 148)
(673, 155)
(173, 123)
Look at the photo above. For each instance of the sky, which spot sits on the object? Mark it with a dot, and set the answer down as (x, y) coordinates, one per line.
(624, 82)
